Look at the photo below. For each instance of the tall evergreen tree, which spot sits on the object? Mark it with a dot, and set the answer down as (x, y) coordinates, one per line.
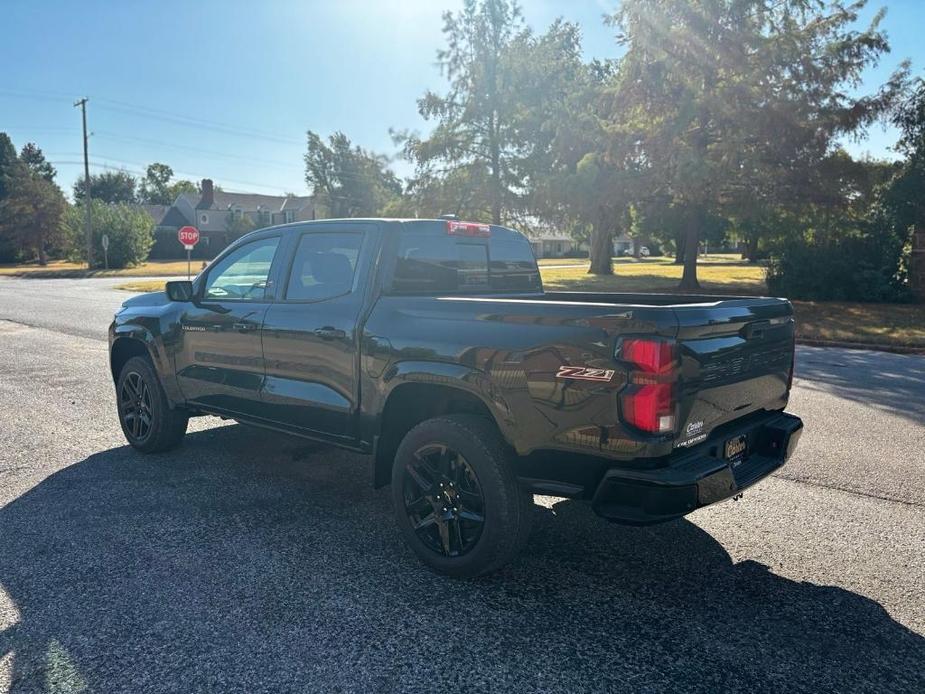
(474, 136)
(34, 159)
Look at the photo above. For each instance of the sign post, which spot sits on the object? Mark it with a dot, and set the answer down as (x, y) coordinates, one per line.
(189, 237)
(105, 241)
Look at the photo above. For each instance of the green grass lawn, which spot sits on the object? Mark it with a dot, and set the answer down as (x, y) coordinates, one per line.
(894, 325)
(721, 275)
(64, 268)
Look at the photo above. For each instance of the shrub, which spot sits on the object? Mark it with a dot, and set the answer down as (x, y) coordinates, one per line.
(850, 269)
(130, 230)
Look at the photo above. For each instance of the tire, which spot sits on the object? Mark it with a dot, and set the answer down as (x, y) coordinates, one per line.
(439, 522)
(148, 422)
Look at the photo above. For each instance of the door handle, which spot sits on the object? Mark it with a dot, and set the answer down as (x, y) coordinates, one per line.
(329, 333)
(244, 327)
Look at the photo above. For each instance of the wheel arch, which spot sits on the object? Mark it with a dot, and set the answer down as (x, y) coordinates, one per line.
(137, 341)
(124, 348)
(418, 394)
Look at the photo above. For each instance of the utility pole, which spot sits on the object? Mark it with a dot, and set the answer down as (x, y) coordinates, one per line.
(83, 111)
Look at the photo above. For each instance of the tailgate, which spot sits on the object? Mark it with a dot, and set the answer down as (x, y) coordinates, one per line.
(736, 357)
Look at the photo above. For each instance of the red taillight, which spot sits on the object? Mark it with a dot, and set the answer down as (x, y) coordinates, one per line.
(651, 356)
(648, 402)
(467, 228)
(650, 408)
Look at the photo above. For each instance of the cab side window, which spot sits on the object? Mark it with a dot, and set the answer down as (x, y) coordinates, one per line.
(323, 266)
(242, 274)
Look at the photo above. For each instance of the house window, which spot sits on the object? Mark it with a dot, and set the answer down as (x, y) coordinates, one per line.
(289, 216)
(203, 219)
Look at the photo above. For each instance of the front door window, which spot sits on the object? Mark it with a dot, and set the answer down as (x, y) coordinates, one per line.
(242, 275)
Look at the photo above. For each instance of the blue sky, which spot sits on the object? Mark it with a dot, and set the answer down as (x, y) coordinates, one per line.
(226, 89)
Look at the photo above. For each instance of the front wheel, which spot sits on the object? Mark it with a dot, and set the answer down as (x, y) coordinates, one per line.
(148, 422)
(456, 498)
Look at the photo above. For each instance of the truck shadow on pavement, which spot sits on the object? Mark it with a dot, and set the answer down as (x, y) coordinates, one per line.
(891, 382)
(246, 562)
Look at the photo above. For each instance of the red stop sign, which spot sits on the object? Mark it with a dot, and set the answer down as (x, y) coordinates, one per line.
(188, 236)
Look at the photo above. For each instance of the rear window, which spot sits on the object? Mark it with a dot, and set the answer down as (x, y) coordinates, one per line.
(432, 261)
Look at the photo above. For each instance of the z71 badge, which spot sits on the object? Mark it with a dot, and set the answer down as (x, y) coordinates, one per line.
(581, 373)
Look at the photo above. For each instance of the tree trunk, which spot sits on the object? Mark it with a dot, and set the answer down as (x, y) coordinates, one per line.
(679, 248)
(43, 254)
(751, 249)
(691, 244)
(601, 249)
(495, 172)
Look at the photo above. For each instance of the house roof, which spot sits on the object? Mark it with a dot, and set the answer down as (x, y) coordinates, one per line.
(252, 201)
(155, 211)
(173, 218)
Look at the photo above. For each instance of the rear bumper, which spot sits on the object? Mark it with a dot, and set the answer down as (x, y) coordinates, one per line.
(699, 477)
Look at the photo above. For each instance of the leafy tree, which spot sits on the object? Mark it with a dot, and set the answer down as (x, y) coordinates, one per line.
(130, 231)
(34, 159)
(735, 104)
(10, 165)
(475, 136)
(903, 197)
(109, 186)
(31, 207)
(238, 224)
(31, 217)
(346, 180)
(156, 187)
(588, 177)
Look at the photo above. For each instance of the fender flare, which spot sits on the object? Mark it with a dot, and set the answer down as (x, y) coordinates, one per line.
(144, 336)
(450, 375)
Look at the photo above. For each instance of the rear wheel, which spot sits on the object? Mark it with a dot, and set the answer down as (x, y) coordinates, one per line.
(456, 499)
(148, 422)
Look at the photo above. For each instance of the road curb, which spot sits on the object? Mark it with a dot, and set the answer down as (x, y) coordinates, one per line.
(873, 346)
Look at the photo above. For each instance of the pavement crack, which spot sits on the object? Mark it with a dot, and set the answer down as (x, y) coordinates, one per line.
(847, 490)
(71, 333)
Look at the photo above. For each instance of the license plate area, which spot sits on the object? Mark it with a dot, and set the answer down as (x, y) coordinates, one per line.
(734, 449)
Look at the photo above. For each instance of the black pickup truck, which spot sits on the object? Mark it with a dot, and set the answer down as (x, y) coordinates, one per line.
(432, 347)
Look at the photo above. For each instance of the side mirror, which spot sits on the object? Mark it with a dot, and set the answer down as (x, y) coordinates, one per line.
(181, 290)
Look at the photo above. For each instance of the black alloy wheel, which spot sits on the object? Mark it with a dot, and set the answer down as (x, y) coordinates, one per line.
(148, 421)
(135, 406)
(457, 500)
(443, 500)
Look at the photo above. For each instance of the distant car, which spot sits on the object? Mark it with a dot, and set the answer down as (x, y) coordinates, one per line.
(644, 251)
(432, 347)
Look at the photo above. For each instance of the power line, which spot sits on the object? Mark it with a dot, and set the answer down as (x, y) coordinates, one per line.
(193, 121)
(158, 114)
(136, 172)
(186, 148)
(203, 125)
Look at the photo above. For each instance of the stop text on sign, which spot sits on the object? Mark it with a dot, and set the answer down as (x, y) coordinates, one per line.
(188, 236)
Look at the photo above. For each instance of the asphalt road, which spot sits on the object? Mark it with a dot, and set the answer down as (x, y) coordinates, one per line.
(248, 561)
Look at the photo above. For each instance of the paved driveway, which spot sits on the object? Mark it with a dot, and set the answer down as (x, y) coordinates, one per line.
(249, 561)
